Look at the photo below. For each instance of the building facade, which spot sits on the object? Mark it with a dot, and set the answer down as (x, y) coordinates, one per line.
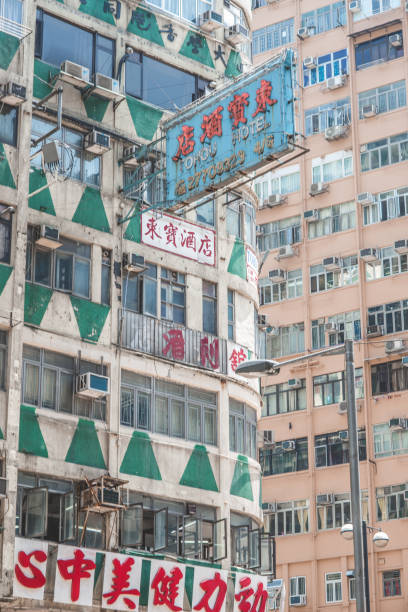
(329, 229)
(118, 345)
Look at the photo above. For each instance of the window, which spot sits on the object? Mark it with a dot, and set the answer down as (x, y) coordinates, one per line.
(290, 518)
(231, 314)
(160, 84)
(333, 167)
(8, 124)
(140, 291)
(3, 360)
(388, 441)
(321, 117)
(209, 307)
(322, 279)
(328, 65)
(279, 233)
(392, 317)
(390, 263)
(330, 388)
(57, 41)
(205, 213)
(5, 234)
(391, 503)
(290, 288)
(333, 448)
(325, 18)
(242, 428)
(333, 219)
(347, 325)
(377, 50)
(282, 181)
(391, 583)
(80, 165)
(333, 587)
(173, 296)
(49, 382)
(297, 585)
(337, 511)
(135, 186)
(251, 547)
(284, 457)
(189, 10)
(279, 399)
(384, 99)
(168, 408)
(352, 588)
(285, 341)
(241, 219)
(12, 9)
(385, 152)
(272, 36)
(388, 377)
(66, 269)
(374, 7)
(388, 205)
(105, 277)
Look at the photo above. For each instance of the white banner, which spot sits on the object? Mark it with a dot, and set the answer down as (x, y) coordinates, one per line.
(30, 564)
(210, 589)
(252, 267)
(74, 575)
(236, 354)
(250, 592)
(180, 237)
(121, 582)
(166, 586)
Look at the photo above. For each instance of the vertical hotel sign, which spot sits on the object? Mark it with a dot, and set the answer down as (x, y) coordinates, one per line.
(235, 130)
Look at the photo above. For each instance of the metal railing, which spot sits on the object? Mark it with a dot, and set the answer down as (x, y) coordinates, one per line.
(18, 30)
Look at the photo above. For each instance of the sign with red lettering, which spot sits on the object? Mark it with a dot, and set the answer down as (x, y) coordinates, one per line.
(166, 589)
(251, 594)
(209, 590)
(236, 354)
(178, 236)
(74, 575)
(30, 564)
(252, 266)
(121, 582)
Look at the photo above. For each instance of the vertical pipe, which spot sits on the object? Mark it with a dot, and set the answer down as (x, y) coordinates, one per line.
(366, 576)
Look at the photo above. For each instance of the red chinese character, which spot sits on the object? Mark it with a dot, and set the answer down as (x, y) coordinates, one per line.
(205, 246)
(259, 600)
(188, 239)
(236, 358)
(175, 344)
(80, 569)
(37, 578)
(151, 228)
(237, 109)
(209, 353)
(212, 124)
(171, 231)
(120, 583)
(166, 588)
(210, 587)
(263, 97)
(186, 142)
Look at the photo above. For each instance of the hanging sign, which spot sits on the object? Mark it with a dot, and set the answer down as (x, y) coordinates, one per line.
(30, 564)
(251, 593)
(74, 575)
(209, 589)
(236, 354)
(251, 266)
(121, 582)
(166, 590)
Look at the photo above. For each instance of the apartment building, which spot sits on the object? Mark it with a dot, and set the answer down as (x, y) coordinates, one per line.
(333, 229)
(124, 429)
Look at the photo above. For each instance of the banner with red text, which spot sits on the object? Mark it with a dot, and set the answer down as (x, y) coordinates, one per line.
(166, 586)
(30, 564)
(121, 582)
(251, 593)
(210, 589)
(74, 575)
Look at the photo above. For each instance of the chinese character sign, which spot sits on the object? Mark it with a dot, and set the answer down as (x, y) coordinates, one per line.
(209, 590)
(239, 128)
(251, 594)
(236, 354)
(74, 575)
(121, 582)
(30, 562)
(166, 589)
(180, 237)
(252, 267)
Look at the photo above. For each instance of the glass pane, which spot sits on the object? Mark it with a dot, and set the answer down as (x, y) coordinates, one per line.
(177, 418)
(68, 517)
(36, 513)
(162, 415)
(49, 388)
(64, 41)
(63, 272)
(219, 540)
(160, 529)
(31, 384)
(42, 270)
(81, 281)
(190, 537)
(194, 423)
(132, 526)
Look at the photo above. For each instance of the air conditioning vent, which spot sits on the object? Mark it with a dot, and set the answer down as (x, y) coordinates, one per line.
(47, 236)
(306, 32)
(331, 328)
(294, 383)
(395, 40)
(311, 215)
(92, 385)
(317, 188)
(332, 263)
(370, 110)
(277, 276)
(365, 198)
(3, 487)
(354, 7)
(97, 143)
(100, 499)
(288, 445)
(106, 87)
(285, 251)
(401, 246)
(370, 255)
(310, 62)
(236, 34)
(342, 408)
(394, 346)
(325, 499)
(373, 331)
(13, 94)
(334, 82)
(297, 600)
(133, 263)
(210, 21)
(274, 200)
(343, 435)
(398, 423)
(335, 132)
(74, 73)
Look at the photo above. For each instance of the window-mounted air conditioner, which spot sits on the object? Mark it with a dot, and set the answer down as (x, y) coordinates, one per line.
(100, 499)
(13, 94)
(3, 487)
(269, 506)
(331, 328)
(401, 246)
(106, 87)
(74, 73)
(343, 435)
(373, 331)
(310, 62)
(305, 32)
(369, 110)
(311, 215)
(288, 445)
(236, 34)
(335, 132)
(297, 600)
(97, 143)
(285, 251)
(342, 408)
(294, 383)
(325, 499)
(274, 200)
(133, 263)
(268, 437)
(398, 423)
(370, 255)
(334, 82)
(365, 198)
(394, 346)
(47, 236)
(210, 21)
(395, 40)
(317, 188)
(355, 7)
(92, 385)
(277, 275)
(332, 263)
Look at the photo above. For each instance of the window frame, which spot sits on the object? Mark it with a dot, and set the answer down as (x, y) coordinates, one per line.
(291, 518)
(330, 64)
(374, 43)
(291, 397)
(245, 422)
(333, 583)
(382, 153)
(211, 300)
(334, 447)
(321, 117)
(13, 118)
(298, 458)
(391, 579)
(276, 234)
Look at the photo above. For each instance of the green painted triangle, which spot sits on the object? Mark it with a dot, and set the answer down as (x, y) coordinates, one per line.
(237, 262)
(139, 459)
(85, 448)
(145, 582)
(36, 300)
(198, 472)
(189, 584)
(30, 438)
(1, 434)
(90, 317)
(241, 481)
(145, 118)
(8, 48)
(95, 8)
(96, 107)
(41, 201)
(133, 230)
(195, 47)
(144, 24)
(6, 178)
(91, 211)
(234, 65)
(43, 72)
(5, 272)
(100, 557)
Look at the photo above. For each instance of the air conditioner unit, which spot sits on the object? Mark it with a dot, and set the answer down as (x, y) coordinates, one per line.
(13, 94)
(343, 435)
(325, 499)
(369, 110)
(305, 32)
(331, 328)
(236, 34)
(269, 507)
(92, 385)
(97, 143)
(404, 361)
(277, 275)
(310, 62)
(370, 255)
(365, 198)
(275, 200)
(332, 263)
(47, 236)
(210, 21)
(342, 408)
(3, 487)
(355, 7)
(395, 40)
(294, 383)
(373, 331)
(285, 251)
(133, 263)
(131, 156)
(98, 499)
(335, 132)
(268, 437)
(401, 246)
(272, 330)
(74, 73)
(311, 215)
(288, 445)
(398, 423)
(297, 600)
(106, 87)
(334, 82)
(317, 188)
(394, 346)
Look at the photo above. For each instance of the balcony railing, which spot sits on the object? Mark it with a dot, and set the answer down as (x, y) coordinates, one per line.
(18, 30)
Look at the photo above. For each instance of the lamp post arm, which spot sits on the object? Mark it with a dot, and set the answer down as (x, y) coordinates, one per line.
(339, 348)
